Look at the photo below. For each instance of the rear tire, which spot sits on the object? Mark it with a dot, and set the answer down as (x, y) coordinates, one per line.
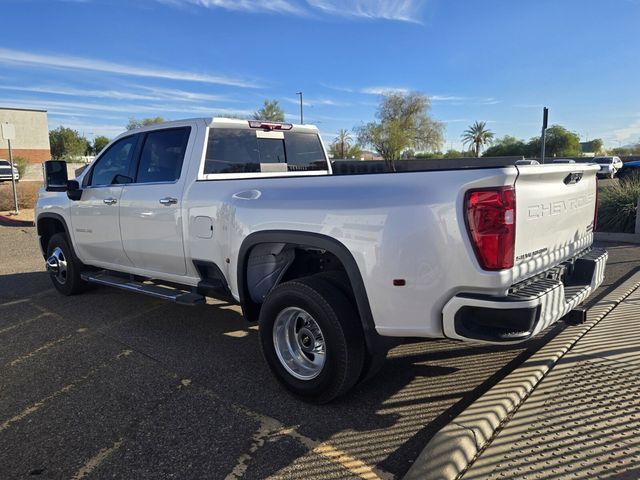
(312, 339)
(65, 274)
(374, 359)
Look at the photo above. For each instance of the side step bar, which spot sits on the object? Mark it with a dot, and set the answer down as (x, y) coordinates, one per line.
(166, 293)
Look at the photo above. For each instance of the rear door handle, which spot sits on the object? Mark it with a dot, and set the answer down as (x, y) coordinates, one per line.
(168, 201)
(110, 201)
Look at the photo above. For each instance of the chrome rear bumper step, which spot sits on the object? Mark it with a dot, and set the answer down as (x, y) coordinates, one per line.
(180, 297)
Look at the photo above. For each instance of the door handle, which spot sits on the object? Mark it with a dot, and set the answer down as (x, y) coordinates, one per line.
(168, 201)
(110, 201)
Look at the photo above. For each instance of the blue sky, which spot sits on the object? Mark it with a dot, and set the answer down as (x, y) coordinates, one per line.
(94, 63)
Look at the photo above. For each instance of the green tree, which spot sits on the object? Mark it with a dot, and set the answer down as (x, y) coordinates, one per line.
(66, 144)
(343, 146)
(506, 146)
(477, 136)
(134, 123)
(596, 145)
(403, 122)
(630, 150)
(99, 143)
(270, 111)
(559, 142)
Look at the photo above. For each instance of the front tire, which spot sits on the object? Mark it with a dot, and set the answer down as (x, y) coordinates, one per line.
(64, 268)
(312, 339)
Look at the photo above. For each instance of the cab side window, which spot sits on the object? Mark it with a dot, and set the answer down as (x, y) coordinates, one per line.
(114, 165)
(162, 155)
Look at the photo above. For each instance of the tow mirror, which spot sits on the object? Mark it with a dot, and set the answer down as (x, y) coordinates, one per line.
(55, 176)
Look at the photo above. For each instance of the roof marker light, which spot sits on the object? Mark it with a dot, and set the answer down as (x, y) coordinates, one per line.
(270, 125)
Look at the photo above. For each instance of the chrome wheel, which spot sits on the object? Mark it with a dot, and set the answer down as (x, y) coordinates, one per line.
(299, 343)
(57, 265)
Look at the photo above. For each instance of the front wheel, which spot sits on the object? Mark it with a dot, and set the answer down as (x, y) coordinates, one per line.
(63, 266)
(312, 339)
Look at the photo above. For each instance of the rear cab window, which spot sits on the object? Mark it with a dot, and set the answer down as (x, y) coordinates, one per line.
(248, 152)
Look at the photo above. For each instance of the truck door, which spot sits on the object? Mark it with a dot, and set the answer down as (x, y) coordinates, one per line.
(151, 222)
(94, 218)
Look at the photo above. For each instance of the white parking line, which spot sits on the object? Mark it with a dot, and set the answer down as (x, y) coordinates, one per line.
(270, 427)
(24, 322)
(41, 403)
(14, 302)
(46, 346)
(96, 460)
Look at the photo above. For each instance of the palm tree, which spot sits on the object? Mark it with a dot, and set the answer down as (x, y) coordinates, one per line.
(477, 136)
(343, 142)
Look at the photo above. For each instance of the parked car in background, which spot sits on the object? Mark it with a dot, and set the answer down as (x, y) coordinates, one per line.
(629, 170)
(5, 171)
(609, 166)
(563, 160)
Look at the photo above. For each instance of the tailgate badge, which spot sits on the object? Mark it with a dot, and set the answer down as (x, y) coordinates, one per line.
(573, 177)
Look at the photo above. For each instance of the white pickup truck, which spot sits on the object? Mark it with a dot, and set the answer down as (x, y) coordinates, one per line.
(329, 257)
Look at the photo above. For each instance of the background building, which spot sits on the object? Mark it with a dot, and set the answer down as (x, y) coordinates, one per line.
(32, 134)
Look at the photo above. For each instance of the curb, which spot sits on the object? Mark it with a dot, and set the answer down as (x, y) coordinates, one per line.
(8, 222)
(454, 447)
(11, 222)
(617, 237)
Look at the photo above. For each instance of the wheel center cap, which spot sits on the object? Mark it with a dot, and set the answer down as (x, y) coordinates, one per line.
(305, 337)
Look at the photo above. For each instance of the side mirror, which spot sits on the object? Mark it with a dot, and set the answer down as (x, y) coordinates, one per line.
(55, 176)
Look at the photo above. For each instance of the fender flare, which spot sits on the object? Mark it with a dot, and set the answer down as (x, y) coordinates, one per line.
(251, 310)
(59, 218)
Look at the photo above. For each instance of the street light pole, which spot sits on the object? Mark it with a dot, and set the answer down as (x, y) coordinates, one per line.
(545, 117)
(301, 115)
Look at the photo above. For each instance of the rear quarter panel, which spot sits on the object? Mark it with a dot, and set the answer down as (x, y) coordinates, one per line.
(403, 225)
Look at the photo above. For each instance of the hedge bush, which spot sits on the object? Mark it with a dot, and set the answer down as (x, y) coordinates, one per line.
(617, 206)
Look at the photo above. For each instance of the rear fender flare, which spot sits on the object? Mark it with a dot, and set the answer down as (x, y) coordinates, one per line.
(251, 309)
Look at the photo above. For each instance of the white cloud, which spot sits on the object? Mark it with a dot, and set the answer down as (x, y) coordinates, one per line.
(400, 10)
(252, 6)
(338, 88)
(628, 134)
(57, 107)
(77, 92)
(310, 102)
(447, 98)
(79, 63)
(383, 90)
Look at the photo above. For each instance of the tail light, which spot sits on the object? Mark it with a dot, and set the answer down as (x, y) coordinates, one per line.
(491, 223)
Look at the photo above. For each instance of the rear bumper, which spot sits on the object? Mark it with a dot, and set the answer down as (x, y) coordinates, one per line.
(530, 307)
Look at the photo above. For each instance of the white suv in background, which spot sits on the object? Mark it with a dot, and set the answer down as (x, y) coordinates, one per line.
(609, 166)
(5, 171)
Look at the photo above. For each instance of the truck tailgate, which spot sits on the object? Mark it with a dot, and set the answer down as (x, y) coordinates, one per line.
(555, 206)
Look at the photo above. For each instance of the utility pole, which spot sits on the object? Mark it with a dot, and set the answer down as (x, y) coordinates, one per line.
(545, 118)
(301, 116)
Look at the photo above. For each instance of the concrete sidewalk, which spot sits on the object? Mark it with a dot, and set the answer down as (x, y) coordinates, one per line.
(583, 419)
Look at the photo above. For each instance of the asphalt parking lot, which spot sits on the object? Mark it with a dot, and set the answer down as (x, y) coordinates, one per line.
(111, 384)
